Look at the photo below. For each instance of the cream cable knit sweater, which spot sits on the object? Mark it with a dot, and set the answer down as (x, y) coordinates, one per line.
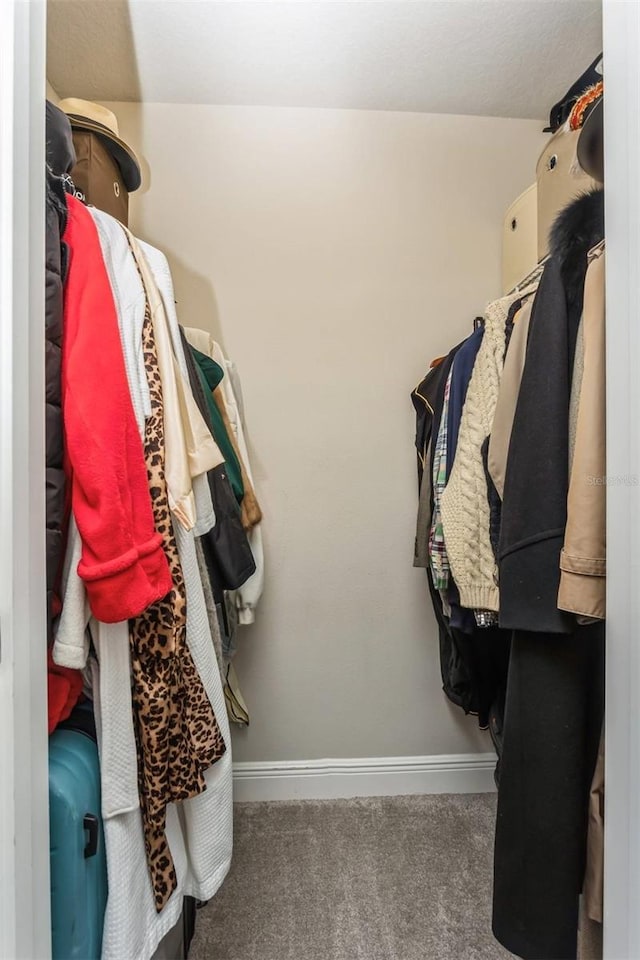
(464, 502)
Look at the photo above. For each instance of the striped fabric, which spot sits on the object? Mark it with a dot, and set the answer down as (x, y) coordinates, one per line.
(438, 560)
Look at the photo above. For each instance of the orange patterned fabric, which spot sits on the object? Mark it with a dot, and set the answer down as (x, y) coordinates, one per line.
(177, 735)
(576, 118)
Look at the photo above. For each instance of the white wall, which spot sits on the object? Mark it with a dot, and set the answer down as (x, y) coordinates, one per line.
(334, 253)
(52, 94)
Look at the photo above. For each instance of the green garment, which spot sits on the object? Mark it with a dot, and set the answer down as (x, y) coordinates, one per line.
(211, 374)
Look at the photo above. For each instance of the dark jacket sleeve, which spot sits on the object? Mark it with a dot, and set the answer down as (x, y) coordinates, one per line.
(534, 511)
(423, 398)
(427, 399)
(55, 479)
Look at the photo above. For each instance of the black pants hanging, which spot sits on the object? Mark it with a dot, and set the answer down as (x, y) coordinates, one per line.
(553, 717)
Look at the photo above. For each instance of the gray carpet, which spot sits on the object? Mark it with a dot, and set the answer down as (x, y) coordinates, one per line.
(397, 878)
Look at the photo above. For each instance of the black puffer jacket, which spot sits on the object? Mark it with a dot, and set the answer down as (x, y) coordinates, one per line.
(60, 159)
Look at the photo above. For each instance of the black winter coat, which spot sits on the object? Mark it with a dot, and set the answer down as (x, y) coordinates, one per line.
(60, 159)
(534, 511)
(55, 480)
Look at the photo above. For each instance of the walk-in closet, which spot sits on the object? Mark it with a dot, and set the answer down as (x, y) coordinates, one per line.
(320, 480)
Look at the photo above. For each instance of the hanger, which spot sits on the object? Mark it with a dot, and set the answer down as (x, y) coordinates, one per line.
(532, 277)
(526, 286)
(521, 287)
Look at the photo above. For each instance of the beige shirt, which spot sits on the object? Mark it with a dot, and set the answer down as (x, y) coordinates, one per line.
(190, 450)
(508, 398)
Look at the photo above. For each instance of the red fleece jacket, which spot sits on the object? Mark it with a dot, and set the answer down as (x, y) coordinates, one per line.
(123, 563)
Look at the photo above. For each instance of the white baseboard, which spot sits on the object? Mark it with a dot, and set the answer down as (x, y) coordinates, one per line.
(364, 777)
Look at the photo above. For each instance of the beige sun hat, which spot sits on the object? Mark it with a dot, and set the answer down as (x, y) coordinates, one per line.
(87, 115)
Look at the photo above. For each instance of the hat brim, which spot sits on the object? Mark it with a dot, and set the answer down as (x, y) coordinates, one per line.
(121, 152)
(591, 142)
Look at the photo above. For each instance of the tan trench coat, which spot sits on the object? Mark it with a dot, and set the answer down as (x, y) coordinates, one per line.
(583, 557)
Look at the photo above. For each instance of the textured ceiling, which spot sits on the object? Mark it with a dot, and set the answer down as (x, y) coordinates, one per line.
(510, 58)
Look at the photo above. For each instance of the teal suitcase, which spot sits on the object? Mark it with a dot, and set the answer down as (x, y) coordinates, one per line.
(78, 861)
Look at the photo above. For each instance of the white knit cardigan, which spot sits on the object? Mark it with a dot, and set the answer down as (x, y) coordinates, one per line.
(464, 502)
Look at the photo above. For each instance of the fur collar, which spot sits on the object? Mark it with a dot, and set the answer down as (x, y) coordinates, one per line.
(576, 229)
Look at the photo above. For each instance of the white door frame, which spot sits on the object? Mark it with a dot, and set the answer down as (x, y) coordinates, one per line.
(622, 211)
(24, 818)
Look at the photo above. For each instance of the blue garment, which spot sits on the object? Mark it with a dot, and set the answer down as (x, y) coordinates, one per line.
(460, 377)
(461, 618)
(438, 558)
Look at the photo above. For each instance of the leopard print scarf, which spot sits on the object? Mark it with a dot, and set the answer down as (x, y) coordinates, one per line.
(177, 735)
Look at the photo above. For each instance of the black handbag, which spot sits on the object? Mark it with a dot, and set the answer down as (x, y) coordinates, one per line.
(226, 547)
